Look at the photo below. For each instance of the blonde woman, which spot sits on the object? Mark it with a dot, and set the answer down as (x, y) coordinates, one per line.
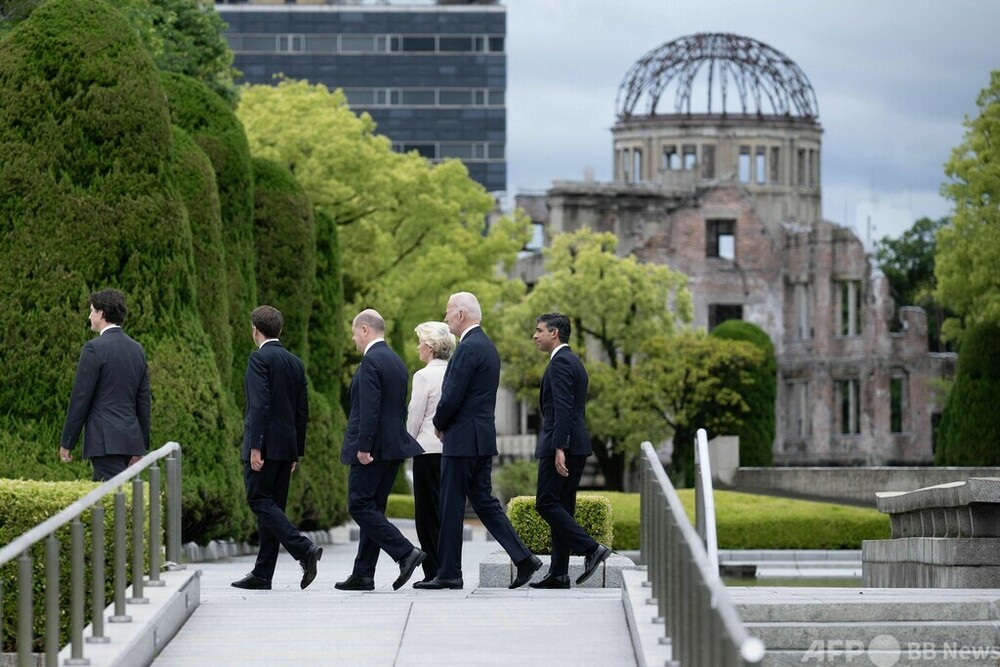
(434, 345)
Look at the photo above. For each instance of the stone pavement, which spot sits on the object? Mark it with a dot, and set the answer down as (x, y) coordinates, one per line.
(324, 626)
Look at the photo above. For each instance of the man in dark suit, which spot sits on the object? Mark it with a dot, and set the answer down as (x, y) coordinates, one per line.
(466, 422)
(562, 450)
(110, 399)
(375, 445)
(274, 437)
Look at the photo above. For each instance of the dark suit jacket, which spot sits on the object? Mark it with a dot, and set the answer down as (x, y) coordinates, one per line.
(277, 409)
(377, 423)
(110, 398)
(466, 411)
(563, 402)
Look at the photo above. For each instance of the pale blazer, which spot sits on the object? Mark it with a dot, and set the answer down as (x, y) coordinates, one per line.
(423, 403)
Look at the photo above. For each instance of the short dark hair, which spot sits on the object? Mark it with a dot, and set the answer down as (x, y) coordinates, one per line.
(558, 322)
(268, 320)
(111, 304)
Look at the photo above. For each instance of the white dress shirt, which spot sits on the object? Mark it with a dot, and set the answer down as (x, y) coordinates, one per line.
(423, 403)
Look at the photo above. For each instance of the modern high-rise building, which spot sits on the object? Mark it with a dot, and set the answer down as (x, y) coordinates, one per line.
(433, 75)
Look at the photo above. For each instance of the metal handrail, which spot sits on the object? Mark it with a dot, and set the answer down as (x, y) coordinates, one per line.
(704, 500)
(700, 620)
(19, 549)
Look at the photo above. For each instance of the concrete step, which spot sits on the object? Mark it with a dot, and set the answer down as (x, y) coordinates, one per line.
(846, 612)
(801, 636)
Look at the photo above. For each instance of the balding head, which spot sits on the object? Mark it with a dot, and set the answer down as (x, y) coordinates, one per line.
(368, 325)
(463, 311)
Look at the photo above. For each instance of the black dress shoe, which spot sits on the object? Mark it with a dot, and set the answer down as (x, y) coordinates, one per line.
(407, 565)
(252, 582)
(355, 583)
(308, 563)
(437, 584)
(525, 570)
(552, 581)
(592, 560)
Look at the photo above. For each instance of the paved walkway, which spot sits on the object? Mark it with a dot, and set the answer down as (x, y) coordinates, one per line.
(324, 626)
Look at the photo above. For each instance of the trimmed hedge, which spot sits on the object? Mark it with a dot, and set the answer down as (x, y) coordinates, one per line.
(88, 200)
(212, 125)
(24, 505)
(593, 513)
(400, 506)
(757, 430)
(969, 430)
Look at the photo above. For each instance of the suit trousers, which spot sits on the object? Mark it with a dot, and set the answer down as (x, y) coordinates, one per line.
(368, 488)
(470, 476)
(106, 467)
(556, 503)
(267, 494)
(426, 506)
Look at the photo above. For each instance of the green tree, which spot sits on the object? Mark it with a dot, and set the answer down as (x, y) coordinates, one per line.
(409, 232)
(908, 264)
(615, 304)
(214, 127)
(969, 431)
(756, 427)
(968, 254)
(88, 200)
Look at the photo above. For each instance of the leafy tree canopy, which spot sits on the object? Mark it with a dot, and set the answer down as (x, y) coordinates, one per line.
(968, 255)
(410, 232)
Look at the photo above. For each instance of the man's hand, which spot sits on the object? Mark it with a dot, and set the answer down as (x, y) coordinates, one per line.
(439, 434)
(135, 459)
(64, 455)
(256, 462)
(295, 464)
(364, 458)
(561, 463)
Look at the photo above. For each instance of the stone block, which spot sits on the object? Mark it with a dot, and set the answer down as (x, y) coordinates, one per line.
(497, 571)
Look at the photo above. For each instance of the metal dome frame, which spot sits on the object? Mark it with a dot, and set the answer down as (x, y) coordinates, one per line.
(766, 80)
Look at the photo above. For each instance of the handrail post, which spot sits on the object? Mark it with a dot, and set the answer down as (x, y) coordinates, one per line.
(120, 573)
(174, 510)
(138, 542)
(76, 595)
(51, 600)
(154, 527)
(97, 576)
(25, 609)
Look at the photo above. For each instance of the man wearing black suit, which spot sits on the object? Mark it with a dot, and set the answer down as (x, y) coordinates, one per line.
(274, 437)
(110, 399)
(375, 445)
(466, 422)
(562, 450)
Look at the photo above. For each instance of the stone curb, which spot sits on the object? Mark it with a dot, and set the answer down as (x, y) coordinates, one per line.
(497, 571)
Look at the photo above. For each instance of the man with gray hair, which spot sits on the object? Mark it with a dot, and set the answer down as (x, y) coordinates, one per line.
(466, 422)
(374, 446)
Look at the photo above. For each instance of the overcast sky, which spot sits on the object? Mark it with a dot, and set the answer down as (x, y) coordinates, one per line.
(893, 78)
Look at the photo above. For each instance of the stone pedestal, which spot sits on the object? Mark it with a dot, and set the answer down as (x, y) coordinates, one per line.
(945, 536)
(496, 571)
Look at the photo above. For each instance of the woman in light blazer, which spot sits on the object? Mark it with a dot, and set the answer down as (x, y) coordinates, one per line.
(435, 345)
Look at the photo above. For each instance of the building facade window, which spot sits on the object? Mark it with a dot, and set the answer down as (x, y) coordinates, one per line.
(721, 312)
(424, 97)
(847, 395)
(743, 167)
(800, 166)
(760, 165)
(798, 423)
(849, 304)
(671, 161)
(690, 157)
(476, 151)
(636, 164)
(720, 239)
(331, 43)
(898, 400)
(775, 172)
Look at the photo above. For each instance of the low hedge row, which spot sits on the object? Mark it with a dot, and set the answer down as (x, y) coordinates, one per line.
(24, 505)
(593, 513)
(743, 521)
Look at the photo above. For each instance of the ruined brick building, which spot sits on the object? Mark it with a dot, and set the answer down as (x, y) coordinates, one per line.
(729, 194)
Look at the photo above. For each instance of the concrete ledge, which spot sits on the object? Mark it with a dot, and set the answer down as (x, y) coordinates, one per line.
(497, 571)
(152, 626)
(649, 640)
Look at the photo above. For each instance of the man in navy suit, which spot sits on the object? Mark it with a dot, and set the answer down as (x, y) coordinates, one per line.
(466, 422)
(274, 437)
(562, 451)
(375, 445)
(110, 399)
